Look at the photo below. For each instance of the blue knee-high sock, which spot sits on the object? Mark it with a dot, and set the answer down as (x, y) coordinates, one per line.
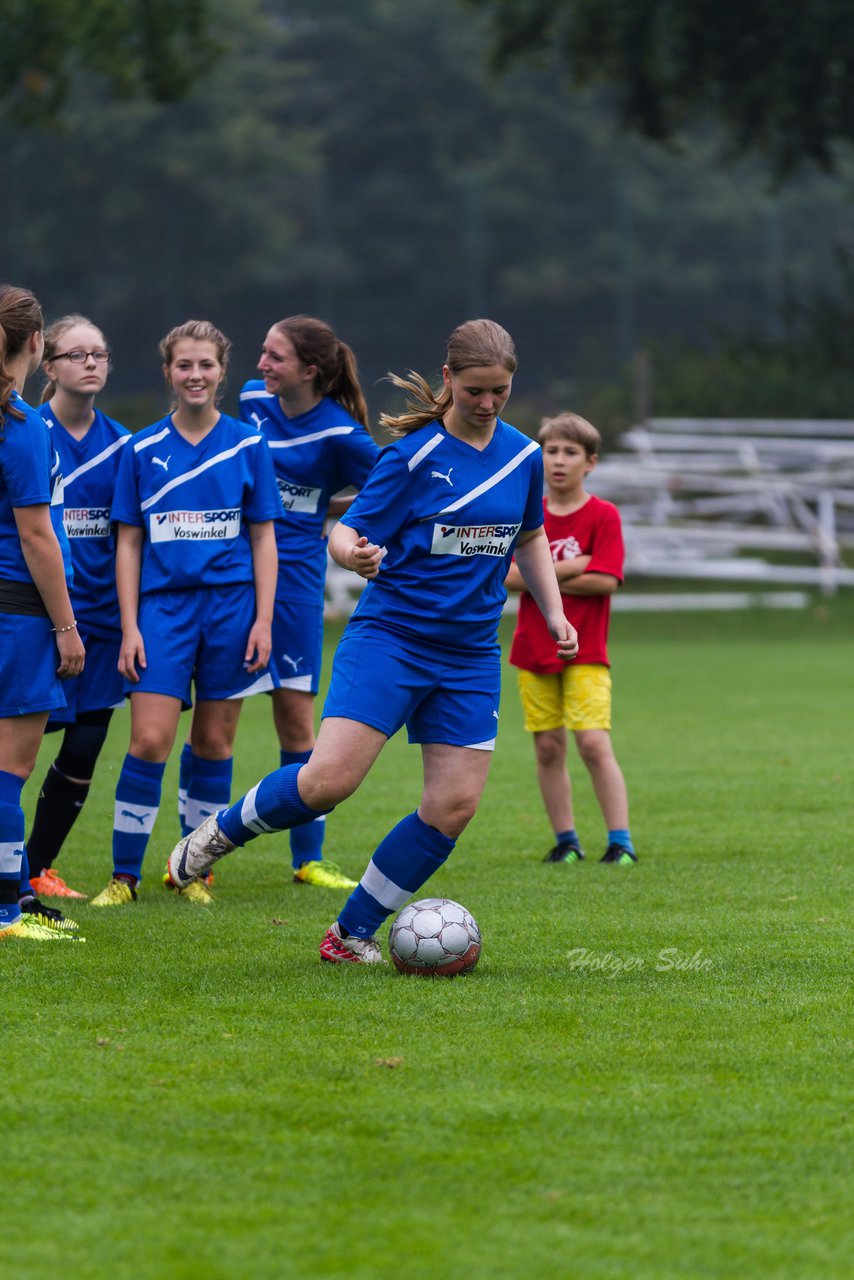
(306, 841)
(185, 773)
(11, 846)
(208, 789)
(137, 802)
(403, 862)
(273, 804)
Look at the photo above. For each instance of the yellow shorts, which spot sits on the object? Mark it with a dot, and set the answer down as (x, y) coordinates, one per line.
(579, 697)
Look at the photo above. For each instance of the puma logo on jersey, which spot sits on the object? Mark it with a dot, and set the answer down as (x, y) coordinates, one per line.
(161, 463)
(294, 662)
(257, 419)
(440, 475)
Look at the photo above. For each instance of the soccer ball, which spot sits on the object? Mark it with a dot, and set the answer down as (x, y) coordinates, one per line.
(435, 938)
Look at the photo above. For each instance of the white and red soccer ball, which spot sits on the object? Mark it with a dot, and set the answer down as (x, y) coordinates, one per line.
(434, 937)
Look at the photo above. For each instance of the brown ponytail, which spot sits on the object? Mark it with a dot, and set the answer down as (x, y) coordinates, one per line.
(20, 317)
(337, 372)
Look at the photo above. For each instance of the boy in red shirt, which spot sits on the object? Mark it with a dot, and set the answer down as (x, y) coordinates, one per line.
(586, 540)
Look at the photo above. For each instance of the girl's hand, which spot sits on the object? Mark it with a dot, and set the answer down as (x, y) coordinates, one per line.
(132, 653)
(259, 646)
(72, 655)
(566, 637)
(365, 558)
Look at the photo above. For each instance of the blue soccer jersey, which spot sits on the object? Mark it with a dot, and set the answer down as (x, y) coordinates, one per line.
(448, 516)
(30, 474)
(315, 455)
(89, 468)
(194, 503)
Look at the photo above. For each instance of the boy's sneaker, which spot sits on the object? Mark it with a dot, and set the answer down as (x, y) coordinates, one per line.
(193, 857)
(48, 916)
(339, 950)
(51, 885)
(117, 894)
(28, 929)
(619, 854)
(565, 852)
(325, 874)
(196, 891)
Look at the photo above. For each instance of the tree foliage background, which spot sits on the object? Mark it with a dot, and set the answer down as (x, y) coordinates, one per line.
(359, 161)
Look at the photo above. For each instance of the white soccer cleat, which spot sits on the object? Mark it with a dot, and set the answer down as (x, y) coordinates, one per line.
(193, 857)
(339, 950)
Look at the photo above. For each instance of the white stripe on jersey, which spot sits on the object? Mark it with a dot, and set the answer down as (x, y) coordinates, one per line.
(146, 444)
(387, 893)
(197, 471)
(255, 395)
(490, 483)
(310, 439)
(57, 482)
(425, 449)
(101, 457)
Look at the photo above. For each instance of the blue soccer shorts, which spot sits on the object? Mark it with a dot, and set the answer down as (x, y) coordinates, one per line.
(442, 696)
(199, 635)
(297, 644)
(99, 687)
(28, 662)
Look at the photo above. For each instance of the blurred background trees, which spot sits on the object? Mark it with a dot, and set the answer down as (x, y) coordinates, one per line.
(360, 161)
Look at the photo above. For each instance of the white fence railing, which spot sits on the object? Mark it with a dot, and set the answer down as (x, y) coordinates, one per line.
(754, 502)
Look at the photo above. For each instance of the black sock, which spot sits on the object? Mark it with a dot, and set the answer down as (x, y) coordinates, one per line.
(59, 804)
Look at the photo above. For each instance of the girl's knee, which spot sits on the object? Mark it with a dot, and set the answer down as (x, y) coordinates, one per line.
(450, 815)
(322, 787)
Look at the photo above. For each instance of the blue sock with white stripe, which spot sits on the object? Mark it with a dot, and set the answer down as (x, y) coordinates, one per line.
(185, 773)
(137, 801)
(306, 841)
(208, 789)
(25, 889)
(12, 827)
(410, 854)
(275, 804)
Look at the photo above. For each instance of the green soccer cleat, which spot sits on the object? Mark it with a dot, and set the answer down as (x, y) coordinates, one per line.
(117, 894)
(565, 852)
(324, 874)
(196, 891)
(619, 855)
(28, 929)
(50, 917)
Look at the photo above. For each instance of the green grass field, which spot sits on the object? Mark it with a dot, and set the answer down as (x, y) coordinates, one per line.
(648, 1075)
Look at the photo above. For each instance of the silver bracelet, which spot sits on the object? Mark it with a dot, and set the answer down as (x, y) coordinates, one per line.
(72, 626)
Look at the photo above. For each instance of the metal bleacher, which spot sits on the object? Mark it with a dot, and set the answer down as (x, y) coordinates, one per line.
(738, 512)
(761, 502)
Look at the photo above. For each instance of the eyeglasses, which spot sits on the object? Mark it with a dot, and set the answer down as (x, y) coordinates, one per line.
(80, 357)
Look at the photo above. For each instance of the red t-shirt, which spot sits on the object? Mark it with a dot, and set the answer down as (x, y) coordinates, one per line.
(595, 530)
